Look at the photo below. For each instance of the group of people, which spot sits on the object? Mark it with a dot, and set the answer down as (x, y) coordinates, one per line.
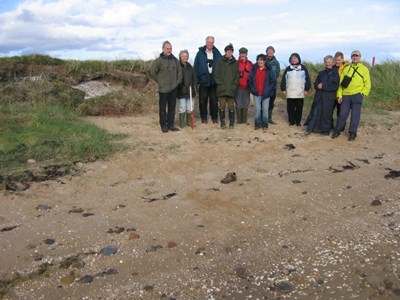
(225, 83)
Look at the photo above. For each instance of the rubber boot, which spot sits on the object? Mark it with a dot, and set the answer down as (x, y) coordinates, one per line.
(231, 119)
(181, 120)
(244, 115)
(270, 117)
(188, 119)
(222, 118)
(238, 115)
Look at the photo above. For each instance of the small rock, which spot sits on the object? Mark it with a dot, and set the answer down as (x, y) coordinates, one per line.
(31, 161)
(134, 236)
(296, 181)
(320, 281)
(67, 280)
(289, 147)
(38, 257)
(376, 202)
(230, 177)
(241, 272)
(171, 244)
(109, 250)
(86, 279)
(87, 214)
(76, 211)
(49, 241)
(116, 229)
(148, 288)
(285, 287)
(153, 248)
(43, 207)
(111, 271)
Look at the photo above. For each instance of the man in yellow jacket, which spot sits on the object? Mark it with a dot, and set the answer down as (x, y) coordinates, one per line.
(355, 83)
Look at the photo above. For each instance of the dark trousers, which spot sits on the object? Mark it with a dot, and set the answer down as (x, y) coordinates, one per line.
(205, 93)
(167, 119)
(272, 100)
(295, 110)
(350, 103)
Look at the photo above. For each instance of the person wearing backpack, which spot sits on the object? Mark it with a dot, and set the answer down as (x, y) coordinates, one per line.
(355, 84)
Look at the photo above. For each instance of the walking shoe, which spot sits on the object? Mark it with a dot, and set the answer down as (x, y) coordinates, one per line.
(335, 134)
(352, 137)
(164, 129)
(173, 128)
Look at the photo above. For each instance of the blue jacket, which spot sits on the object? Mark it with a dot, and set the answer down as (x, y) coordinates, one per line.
(204, 78)
(269, 84)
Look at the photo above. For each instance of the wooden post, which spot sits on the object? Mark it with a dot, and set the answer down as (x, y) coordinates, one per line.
(373, 61)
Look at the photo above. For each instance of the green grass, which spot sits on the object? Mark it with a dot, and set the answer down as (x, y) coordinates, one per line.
(48, 134)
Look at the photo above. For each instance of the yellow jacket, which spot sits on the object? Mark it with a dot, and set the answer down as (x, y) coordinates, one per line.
(361, 82)
(342, 66)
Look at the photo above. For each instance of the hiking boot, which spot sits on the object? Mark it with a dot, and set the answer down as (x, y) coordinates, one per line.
(352, 136)
(270, 117)
(335, 134)
(164, 129)
(173, 128)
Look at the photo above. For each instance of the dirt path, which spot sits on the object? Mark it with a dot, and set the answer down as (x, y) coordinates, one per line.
(297, 224)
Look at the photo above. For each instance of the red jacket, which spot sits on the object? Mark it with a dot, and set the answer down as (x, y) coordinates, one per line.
(245, 69)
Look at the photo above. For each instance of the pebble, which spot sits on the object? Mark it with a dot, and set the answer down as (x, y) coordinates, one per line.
(153, 248)
(134, 236)
(285, 287)
(86, 279)
(67, 280)
(109, 250)
(241, 272)
(171, 244)
(148, 288)
(376, 202)
(49, 241)
(43, 207)
(116, 229)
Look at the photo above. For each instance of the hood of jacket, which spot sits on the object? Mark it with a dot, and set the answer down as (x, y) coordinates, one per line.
(296, 55)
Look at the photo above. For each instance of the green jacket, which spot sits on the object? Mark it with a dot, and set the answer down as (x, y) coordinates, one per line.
(167, 72)
(360, 83)
(226, 76)
(274, 64)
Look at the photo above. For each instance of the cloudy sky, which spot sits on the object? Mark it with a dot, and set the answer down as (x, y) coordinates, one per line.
(126, 29)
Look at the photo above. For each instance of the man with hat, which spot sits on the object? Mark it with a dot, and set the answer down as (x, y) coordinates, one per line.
(274, 64)
(355, 83)
(226, 77)
(243, 90)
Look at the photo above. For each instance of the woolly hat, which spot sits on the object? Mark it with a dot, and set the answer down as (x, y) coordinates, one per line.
(296, 55)
(229, 47)
(243, 50)
(270, 48)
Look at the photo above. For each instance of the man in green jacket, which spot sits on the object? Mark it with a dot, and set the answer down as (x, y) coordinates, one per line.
(167, 72)
(226, 77)
(355, 83)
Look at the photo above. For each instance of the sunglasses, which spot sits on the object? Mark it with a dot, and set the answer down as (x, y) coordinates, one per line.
(210, 62)
(355, 55)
